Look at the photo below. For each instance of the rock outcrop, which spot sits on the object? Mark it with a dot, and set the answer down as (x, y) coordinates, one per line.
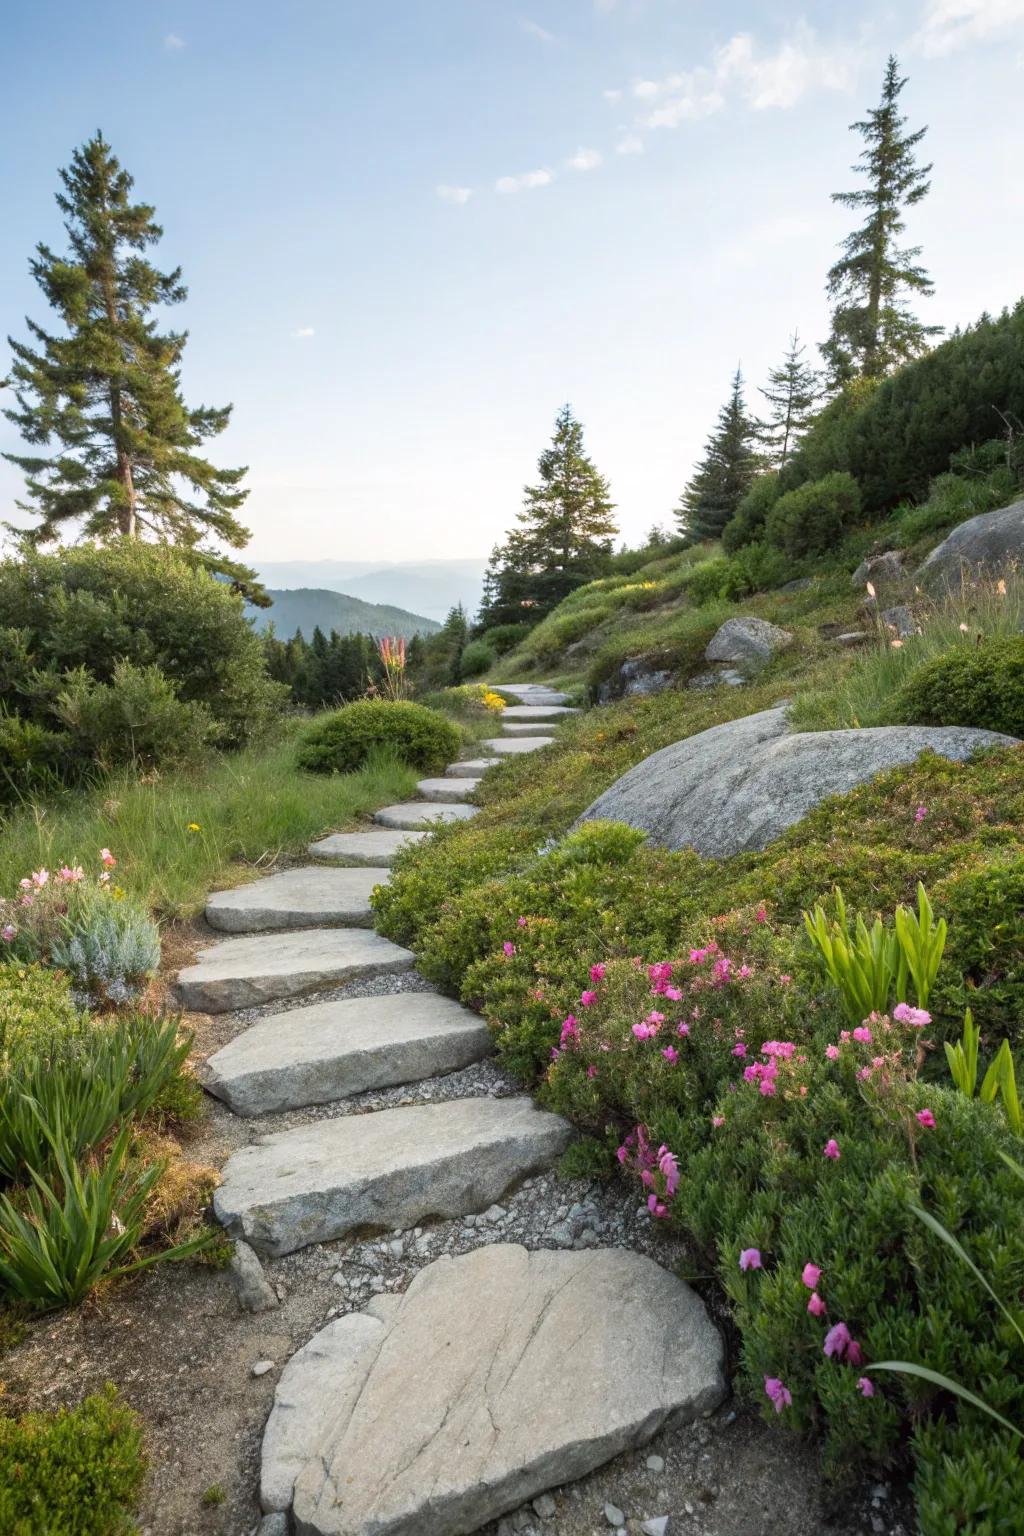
(991, 544)
(747, 642)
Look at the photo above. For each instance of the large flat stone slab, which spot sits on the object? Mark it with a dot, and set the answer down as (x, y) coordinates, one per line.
(510, 746)
(298, 898)
(536, 711)
(388, 1169)
(326, 1052)
(495, 1376)
(446, 790)
(524, 727)
(423, 813)
(737, 787)
(242, 973)
(375, 846)
(470, 768)
(532, 693)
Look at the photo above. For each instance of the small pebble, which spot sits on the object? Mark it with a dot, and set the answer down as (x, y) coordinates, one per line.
(656, 1527)
(545, 1506)
(655, 1463)
(613, 1514)
(262, 1367)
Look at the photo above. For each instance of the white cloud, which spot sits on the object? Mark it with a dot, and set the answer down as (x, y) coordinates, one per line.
(584, 160)
(460, 195)
(534, 29)
(173, 43)
(630, 144)
(613, 96)
(304, 331)
(525, 181)
(951, 24)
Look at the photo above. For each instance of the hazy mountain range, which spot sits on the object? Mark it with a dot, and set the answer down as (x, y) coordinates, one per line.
(306, 608)
(429, 587)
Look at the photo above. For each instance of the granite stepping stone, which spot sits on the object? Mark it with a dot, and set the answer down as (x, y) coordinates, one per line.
(374, 847)
(389, 1170)
(495, 1376)
(470, 768)
(446, 789)
(298, 898)
(245, 972)
(421, 813)
(523, 728)
(536, 711)
(509, 746)
(331, 1050)
(532, 693)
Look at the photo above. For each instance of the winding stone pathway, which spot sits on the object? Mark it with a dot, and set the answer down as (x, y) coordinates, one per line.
(498, 1374)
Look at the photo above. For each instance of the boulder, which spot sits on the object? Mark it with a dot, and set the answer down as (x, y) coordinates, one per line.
(738, 786)
(900, 620)
(496, 1376)
(747, 641)
(637, 677)
(252, 1288)
(991, 544)
(717, 677)
(880, 570)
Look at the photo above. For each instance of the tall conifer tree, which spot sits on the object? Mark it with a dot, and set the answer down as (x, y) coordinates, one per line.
(873, 329)
(792, 393)
(724, 474)
(104, 395)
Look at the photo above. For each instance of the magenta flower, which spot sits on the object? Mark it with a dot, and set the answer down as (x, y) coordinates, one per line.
(921, 813)
(645, 1031)
(831, 1149)
(9, 932)
(591, 1071)
(509, 948)
(832, 1052)
(717, 1121)
(656, 1208)
(811, 1276)
(669, 1169)
(837, 1341)
(904, 1014)
(863, 1034)
(671, 1055)
(761, 915)
(816, 1307)
(673, 994)
(520, 922)
(926, 1118)
(866, 1386)
(683, 1029)
(570, 1032)
(750, 1258)
(853, 1353)
(597, 973)
(40, 877)
(588, 999)
(779, 1395)
(739, 1049)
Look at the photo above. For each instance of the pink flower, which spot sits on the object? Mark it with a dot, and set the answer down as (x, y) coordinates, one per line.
(761, 915)
(655, 1207)
(671, 1055)
(107, 858)
(8, 933)
(622, 1153)
(555, 1053)
(520, 922)
(853, 1353)
(837, 1341)
(780, 1396)
(815, 1306)
(597, 973)
(785, 980)
(669, 1169)
(831, 1149)
(588, 999)
(40, 877)
(72, 875)
(831, 1051)
(926, 1118)
(683, 1029)
(644, 1031)
(750, 1258)
(509, 948)
(591, 1071)
(673, 994)
(717, 1121)
(866, 1386)
(863, 1034)
(739, 1049)
(921, 813)
(811, 1276)
(570, 1032)
(904, 1014)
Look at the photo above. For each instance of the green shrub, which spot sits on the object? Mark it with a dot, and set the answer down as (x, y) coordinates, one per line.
(110, 948)
(75, 1472)
(36, 1010)
(503, 638)
(136, 718)
(980, 685)
(477, 658)
(704, 582)
(812, 519)
(753, 510)
(343, 741)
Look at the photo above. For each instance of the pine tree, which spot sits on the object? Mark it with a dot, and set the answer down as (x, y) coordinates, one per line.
(107, 393)
(724, 475)
(564, 536)
(873, 330)
(793, 391)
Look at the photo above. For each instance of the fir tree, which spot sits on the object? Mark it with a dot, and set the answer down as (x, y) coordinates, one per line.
(724, 475)
(873, 330)
(793, 391)
(564, 536)
(105, 396)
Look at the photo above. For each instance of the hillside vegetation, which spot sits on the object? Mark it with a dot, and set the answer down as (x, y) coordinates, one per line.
(305, 609)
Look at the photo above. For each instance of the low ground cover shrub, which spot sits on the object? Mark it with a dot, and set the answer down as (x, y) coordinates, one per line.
(977, 685)
(77, 1471)
(347, 738)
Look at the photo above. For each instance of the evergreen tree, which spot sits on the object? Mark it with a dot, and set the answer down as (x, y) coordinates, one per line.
(107, 393)
(873, 330)
(724, 475)
(565, 532)
(793, 391)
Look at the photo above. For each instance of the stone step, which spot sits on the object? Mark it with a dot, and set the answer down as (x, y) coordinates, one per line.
(332, 1050)
(533, 693)
(390, 1169)
(521, 728)
(421, 813)
(537, 711)
(446, 789)
(470, 768)
(508, 746)
(376, 846)
(495, 1376)
(243, 973)
(298, 898)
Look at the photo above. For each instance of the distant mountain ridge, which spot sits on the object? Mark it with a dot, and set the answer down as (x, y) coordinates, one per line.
(309, 608)
(429, 587)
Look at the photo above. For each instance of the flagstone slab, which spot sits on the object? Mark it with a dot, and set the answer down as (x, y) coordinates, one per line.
(497, 1375)
(245, 972)
(298, 898)
(524, 727)
(326, 1052)
(447, 789)
(510, 746)
(375, 846)
(388, 1169)
(470, 768)
(537, 711)
(532, 693)
(422, 813)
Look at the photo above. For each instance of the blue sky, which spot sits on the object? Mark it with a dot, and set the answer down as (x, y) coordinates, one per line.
(411, 229)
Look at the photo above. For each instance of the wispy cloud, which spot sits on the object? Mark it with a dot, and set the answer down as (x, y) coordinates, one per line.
(534, 29)
(951, 24)
(525, 181)
(584, 160)
(460, 195)
(173, 43)
(304, 331)
(613, 96)
(630, 144)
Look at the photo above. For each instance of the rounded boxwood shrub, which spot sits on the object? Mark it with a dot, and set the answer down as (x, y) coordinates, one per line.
(970, 685)
(813, 518)
(342, 741)
(476, 659)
